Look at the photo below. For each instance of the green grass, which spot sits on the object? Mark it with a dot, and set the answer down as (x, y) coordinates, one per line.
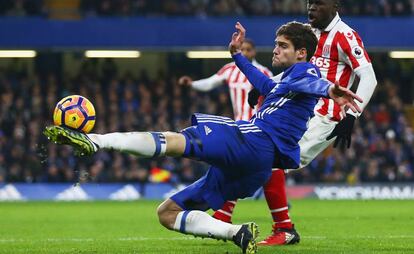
(132, 227)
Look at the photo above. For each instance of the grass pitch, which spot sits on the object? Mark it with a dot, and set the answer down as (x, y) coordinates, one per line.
(132, 227)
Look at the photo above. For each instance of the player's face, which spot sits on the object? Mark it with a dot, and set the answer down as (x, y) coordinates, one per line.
(284, 53)
(248, 51)
(321, 12)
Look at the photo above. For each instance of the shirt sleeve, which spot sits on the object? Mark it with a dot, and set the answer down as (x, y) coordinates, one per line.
(257, 78)
(226, 71)
(352, 50)
(208, 84)
(306, 79)
(366, 87)
(317, 87)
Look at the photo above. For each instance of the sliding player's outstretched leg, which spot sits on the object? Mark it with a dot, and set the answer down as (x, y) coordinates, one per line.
(143, 144)
(81, 142)
(200, 224)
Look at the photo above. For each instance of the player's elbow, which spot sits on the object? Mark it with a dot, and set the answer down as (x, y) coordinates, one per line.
(375, 82)
(373, 77)
(367, 76)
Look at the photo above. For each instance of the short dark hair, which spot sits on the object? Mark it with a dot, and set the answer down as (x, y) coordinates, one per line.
(336, 2)
(250, 41)
(301, 36)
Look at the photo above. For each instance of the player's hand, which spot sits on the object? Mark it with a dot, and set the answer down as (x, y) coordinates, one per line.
(237, 39)
(253, 97)
(345, 98)
(343, 132)
(185, 81)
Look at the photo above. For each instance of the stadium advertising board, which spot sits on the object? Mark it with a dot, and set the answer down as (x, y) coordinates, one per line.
(129, 192)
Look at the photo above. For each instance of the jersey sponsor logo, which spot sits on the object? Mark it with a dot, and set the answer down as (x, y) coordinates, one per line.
(321, 62)
(357, 52)
(207, 130)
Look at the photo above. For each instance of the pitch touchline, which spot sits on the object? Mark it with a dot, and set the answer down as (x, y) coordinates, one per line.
(8, 240)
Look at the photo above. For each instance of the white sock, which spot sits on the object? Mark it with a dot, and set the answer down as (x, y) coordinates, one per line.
(199, 223)
(143, 144)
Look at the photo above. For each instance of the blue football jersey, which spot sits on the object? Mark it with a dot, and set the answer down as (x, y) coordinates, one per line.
(287, 107)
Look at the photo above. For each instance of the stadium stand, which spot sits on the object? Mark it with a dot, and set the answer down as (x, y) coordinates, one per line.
(382, 140)
(69, 9)
(381, 148)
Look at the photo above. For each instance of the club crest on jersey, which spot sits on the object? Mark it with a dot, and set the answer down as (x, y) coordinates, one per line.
(313, 72)
(326, 51)
(349, 35)
(357, 52)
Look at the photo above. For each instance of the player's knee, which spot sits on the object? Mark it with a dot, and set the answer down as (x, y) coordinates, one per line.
(162, 213)
(167, 214)
(175, 143)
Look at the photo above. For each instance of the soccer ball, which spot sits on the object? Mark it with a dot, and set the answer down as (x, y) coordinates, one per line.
(75, 112)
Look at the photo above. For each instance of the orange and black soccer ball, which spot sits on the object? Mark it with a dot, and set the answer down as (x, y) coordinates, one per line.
(75, 112)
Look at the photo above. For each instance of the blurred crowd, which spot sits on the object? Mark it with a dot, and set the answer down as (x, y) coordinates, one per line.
(200, 8)
(381, 148)
(122, 104)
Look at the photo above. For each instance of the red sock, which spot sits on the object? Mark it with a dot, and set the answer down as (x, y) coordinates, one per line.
(225, 213)
(275, 193)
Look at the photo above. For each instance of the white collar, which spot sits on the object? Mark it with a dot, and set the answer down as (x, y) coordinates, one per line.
(331, 25)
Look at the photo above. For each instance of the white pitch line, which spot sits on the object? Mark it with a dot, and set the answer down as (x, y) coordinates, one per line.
(314, 237)
(361, 237)
(8, 240)
(70, 239)
(157, 238)
(185, 238)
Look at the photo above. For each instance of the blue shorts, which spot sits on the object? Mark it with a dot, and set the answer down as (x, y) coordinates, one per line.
(240, 155)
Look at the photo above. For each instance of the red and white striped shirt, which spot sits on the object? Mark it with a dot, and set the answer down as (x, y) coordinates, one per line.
(239, 87)
(339, 54)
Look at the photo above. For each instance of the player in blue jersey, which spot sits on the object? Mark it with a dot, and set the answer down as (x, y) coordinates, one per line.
(241, 153)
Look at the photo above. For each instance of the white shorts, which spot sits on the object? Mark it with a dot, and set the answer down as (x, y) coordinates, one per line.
(314, 140)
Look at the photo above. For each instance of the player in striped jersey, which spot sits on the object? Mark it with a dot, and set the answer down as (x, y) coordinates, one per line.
(340, 56)
(237, 82)
(269, 139)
